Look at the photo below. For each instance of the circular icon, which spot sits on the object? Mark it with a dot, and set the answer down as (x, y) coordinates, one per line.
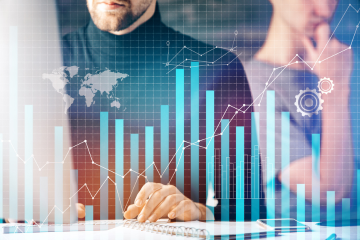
(236, 32)
(325, 85)
(308, 102)
(168, 43)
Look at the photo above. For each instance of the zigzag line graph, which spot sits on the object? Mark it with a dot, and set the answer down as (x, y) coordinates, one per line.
(185, 144)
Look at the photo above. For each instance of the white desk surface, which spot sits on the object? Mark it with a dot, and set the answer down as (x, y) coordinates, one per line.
(122, 233)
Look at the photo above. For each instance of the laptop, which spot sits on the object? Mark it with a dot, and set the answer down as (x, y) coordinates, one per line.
(38, 183)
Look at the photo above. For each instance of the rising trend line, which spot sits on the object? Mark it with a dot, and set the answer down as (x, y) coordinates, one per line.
(182, 147)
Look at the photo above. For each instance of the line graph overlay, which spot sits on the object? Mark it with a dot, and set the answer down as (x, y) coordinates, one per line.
(182, 147)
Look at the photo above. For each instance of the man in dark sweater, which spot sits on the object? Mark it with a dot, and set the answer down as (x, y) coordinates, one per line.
(152, 66)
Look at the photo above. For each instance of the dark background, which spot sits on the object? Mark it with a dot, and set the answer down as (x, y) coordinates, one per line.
(211, 21)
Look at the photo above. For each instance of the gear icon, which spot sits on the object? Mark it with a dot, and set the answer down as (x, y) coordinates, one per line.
(308, 102)
(326, 85)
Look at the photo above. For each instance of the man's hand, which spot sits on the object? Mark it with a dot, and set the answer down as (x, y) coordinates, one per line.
(335, 59)
(164, 201)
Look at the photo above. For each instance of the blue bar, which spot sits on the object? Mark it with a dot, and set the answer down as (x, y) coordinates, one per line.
(358, 196)
(119, 167)
(59, 176)
(210, 121)
(89, 217)
(164, 143)
(300, 200)
(104, 158)
(29, 163)
(285, 161)
(73, 189)
(270, 154)
(330, 205)
(1, 175)
(134, 151)
(44, 202)
(255, 184)
(180, 129)
(240, 174)
(13, 121)
(149, 153)
(315, 186)
(345, 210)
(194, 131)
(225, 170)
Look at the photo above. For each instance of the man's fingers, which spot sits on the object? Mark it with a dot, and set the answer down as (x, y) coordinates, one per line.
(132, 211)
(310, 49)
(148, 189)
(164, 208)
(322, 35)
(81, 210)
(182, 207)
(154, 201)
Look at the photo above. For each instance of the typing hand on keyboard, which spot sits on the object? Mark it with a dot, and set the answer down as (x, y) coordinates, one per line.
(156, 200)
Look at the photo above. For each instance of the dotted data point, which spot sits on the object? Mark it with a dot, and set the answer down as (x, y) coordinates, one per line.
(92, 162)
(297, 54)
(349, 47)
(130, 169)
(153, 162)
(92, 198)
(107, 176)
(122, 176)
(274, 69)
(319, 61)
(63, 162)
(297, 61)
(69, 148)
(115, 184)
(236, 112)
(85, 140)
(47, 162)
(258, 104)
(138, 177)
(85, 184)
(183, 148)
(39, 169)
(175, 170)
(244, 104)
(312, 69)
(221, 133)
(160, 176)
(17, 155)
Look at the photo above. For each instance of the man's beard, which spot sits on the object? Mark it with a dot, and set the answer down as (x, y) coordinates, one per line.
(119, 19)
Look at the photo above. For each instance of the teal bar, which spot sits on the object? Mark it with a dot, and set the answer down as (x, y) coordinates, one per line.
(225, 171)
(89, 217)
(1, 176)
(180, 129)
(44, 203)
(240, 174)
(285, 161)
(134, 151)
(255, 184)
(119, 167)
(300, 200)
(29, 138)
(59, 176)
(149, 153)
(164, 143)
(345, 210)
(270, 154)
(210, 121)
(194, 131)
(330, 205)
(73, 189)
(315, 187)
(13, 122)
(358, 196)
(104, 158)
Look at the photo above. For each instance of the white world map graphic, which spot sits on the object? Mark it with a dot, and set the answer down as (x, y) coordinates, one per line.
(104, 81)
